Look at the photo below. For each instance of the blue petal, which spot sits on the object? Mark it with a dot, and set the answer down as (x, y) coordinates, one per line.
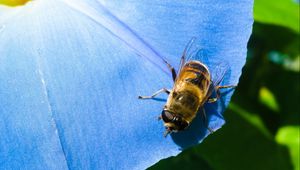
(71, 72)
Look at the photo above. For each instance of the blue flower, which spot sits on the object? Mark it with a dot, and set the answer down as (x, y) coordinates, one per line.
(71, 71)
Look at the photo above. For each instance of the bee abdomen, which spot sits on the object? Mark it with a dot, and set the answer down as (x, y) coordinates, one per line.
(197, 81)
(197, 66)
(201, 74)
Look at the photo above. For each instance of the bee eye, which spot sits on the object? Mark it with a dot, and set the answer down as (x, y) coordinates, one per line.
(167, 116)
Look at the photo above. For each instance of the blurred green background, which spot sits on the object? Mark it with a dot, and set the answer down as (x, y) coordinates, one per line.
(263, 119)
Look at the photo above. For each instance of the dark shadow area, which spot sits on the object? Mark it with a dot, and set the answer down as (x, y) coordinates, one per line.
(160, 99)
(191, 136)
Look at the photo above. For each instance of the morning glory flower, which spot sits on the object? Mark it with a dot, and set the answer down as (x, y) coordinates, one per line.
(71, 72)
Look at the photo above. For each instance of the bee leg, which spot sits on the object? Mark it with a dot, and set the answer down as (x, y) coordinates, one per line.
(206, 122)
(168, 131)
(155, 94)
(212, 100)
(159, 117)
(223, 87)
(171, 68)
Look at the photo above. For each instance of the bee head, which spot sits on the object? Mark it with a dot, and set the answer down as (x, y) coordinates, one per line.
(173, 122)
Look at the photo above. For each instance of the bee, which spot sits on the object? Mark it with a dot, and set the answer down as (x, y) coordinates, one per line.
(192, 88)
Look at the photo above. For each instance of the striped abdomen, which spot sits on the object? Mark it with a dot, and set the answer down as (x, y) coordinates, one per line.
(197, 74)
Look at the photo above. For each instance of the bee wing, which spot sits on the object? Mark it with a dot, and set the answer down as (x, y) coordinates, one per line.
(217, 75)
(218, 72)
(192, 51)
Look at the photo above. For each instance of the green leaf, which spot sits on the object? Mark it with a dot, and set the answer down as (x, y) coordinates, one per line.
(267, 98)
(278, 12)
(251, 118)
(289, 136)
(185, 160)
